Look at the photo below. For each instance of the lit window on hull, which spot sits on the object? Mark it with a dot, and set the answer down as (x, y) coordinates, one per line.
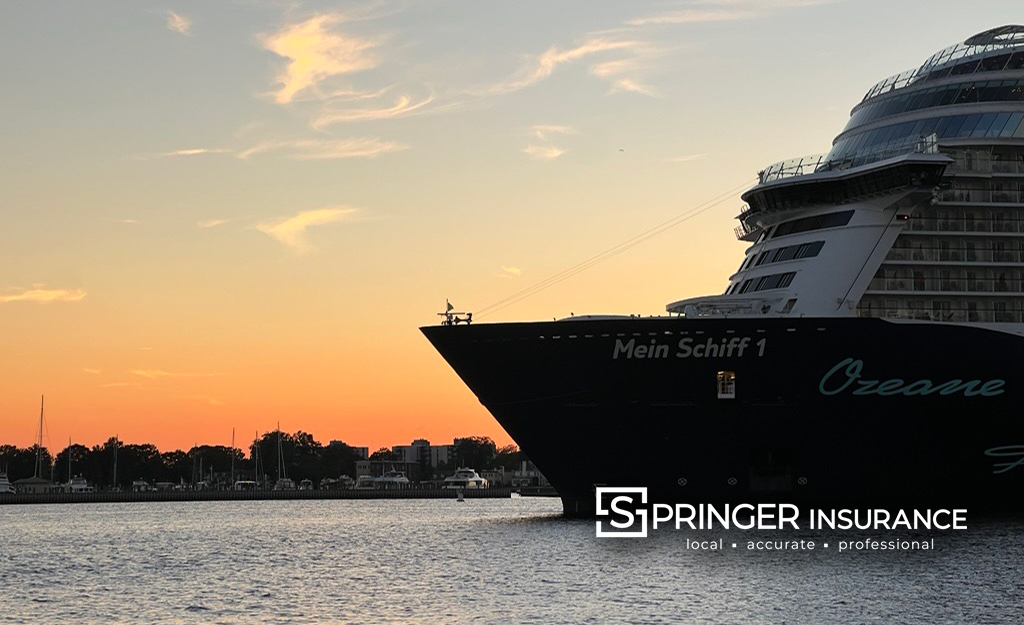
(726, 385)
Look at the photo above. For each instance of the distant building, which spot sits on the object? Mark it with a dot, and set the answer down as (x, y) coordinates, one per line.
(362, 452)
(377, 468)
(422, 452)
(34, 485)
(526, 475)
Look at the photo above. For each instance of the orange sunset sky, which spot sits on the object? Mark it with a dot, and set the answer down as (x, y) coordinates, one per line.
(225, 215)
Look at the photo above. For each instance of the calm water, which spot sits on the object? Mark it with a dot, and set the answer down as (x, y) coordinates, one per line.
(482, 561)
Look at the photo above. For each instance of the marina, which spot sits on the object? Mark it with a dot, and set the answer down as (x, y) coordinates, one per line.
(409, 492)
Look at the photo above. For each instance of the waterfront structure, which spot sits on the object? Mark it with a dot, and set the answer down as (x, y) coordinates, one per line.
(526, 474)
(866, 350)
(34, 484)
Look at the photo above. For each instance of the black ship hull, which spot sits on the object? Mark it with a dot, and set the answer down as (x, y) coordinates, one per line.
(847, 412)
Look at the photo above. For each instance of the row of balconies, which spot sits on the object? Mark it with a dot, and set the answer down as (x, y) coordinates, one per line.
(939, 223)
(953, 309)
(986, 166)
(981, 196)
(954, 255)
(951, 284)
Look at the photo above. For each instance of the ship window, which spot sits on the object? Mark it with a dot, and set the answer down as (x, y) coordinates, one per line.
(761, 282)
(1011, 125)
(964, 68)
(997, 125)
(786, 279)
(994, 63)
(788, 253)
(809, 250)
(1016, 61)
(779, 254)
(746, 286)
(762, 258)
(984, 124)
(726, 383)
(804, 224)
(969, 125)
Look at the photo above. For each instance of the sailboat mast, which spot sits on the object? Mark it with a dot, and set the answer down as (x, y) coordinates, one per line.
(280, 460)
(232, 458)
(39, 440)
(69, 460)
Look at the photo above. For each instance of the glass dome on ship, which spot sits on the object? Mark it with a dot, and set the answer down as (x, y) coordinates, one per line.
(881, 288)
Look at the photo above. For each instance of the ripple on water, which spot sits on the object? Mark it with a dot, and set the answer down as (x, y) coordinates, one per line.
(488, 561)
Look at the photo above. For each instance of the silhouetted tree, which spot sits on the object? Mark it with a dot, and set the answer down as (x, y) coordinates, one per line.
(508, 457)
(384, 454)
(20, 462)
(476, 452)
(78, 454)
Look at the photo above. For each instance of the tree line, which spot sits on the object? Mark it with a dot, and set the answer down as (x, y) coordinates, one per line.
(302, 457)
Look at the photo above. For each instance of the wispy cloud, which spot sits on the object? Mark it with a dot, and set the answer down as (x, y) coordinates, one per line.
(628, 84)
(42, 295)
(212, 223)
(543, 152)
(545, 64)
(316, 51)
(686, 158)
(723, 11)
(317, 149)
(543, 131)
(180, 153)
(692, 16)
(154, 374)
(616, 71)
(404, 105)
(178, 23)
(130, 222)
(300, 149)
(292, 230)
(91, 371)
(510, 272)
(195, 152)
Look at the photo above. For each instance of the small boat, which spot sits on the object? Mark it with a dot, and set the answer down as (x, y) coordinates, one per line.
(285, 483)
(79, 485)
(392, 479)
(5, 485)
(465, 478)
(365, 482)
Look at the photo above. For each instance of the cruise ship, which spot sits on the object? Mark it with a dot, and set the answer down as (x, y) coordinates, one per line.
(868, 351)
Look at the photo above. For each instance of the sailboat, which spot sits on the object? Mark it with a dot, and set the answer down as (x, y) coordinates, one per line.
(283, 481)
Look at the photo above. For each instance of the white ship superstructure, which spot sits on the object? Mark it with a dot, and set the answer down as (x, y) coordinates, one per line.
(917, 212)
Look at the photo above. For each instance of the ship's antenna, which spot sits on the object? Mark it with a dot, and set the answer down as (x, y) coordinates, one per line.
(610, 252)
